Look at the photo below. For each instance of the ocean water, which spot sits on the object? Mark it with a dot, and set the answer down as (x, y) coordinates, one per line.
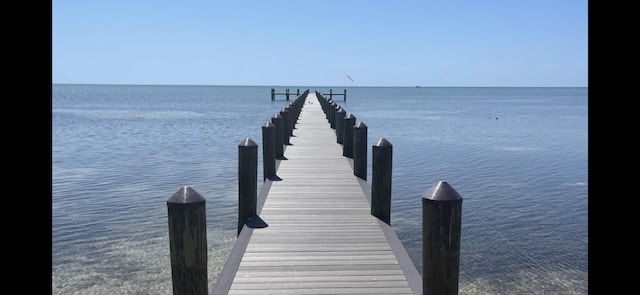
(517, 156)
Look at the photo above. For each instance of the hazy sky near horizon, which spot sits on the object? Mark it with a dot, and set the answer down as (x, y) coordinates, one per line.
(289, 43)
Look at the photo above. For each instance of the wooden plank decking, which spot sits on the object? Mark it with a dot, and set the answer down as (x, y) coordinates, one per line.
(321, 237)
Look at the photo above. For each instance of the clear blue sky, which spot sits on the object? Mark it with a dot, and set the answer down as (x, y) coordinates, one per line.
(317, 43)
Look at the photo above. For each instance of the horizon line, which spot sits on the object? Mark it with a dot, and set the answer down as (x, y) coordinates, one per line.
(335, 86)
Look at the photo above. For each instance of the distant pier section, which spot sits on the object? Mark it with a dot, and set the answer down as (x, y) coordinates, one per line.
(317, 226)
(287, 93)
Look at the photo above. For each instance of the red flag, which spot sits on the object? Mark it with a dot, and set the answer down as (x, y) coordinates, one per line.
(349, 77)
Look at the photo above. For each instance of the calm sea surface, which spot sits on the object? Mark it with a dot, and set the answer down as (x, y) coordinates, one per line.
(517, 156)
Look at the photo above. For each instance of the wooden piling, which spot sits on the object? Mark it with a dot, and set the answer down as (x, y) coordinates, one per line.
(340, 125)
(441, 227)
(247, 181)
(277, 121)
(347, 135)
(292, 118)
(333, 109)
(382, 154)
(188, 242)
(269, 151)
(286, 126)
(326, 105)
(360, 150)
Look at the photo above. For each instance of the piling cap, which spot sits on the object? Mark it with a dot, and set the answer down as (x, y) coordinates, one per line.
(360, 125)
(382, 142)
(350, 116)
(277, 116)
(247, 142)
(268, 125)
(186, 195)
(442, 192)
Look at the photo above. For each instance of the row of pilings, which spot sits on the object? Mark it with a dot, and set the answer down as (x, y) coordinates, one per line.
(353, 138)
(441, 204)
(287, 94)
(186, 207)
(275, 136)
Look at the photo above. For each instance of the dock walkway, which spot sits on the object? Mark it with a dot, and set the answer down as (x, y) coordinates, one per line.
(321, 237)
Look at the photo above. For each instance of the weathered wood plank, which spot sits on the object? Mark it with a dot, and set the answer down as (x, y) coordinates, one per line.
(327, 283)
(293, 277)
(310, 274)
(346, 267)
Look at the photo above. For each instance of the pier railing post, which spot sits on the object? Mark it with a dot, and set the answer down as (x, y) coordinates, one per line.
(347, 136)
(327, 108)
(286, 125)
(333, 109)
(360, 150)
(188, 242)
(269, 151)
(441, 226)
(247, 181)
(292, 118)
(340, 125)
(273, 94)
(345, 95)
(277, 121)
(382, 154)
(287, 93)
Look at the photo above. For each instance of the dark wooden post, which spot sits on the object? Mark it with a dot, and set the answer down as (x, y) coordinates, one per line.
(340, 125)
(347, 135)
(381, 180)
(286, 126)
(269, 151)
(441, 225)
(331, 94)
(332, 115)
(298, 92)
(188, 242)
(327, 108)
(360, 150)
(247, 181)
(345, 95)
(277, 121)
(273, 94)
(292, 119)
(287, 93)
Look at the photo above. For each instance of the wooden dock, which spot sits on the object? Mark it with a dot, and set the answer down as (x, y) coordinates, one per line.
(320, 236)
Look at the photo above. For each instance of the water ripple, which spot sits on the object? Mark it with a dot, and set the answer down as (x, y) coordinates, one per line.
(119, 153)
